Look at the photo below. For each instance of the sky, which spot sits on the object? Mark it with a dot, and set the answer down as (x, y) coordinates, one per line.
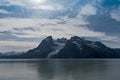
(24, 23)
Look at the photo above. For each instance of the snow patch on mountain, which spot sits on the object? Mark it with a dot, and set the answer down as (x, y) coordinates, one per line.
(56, 48)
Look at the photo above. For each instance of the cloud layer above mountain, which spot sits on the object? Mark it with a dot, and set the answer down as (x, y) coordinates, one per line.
(29, 21)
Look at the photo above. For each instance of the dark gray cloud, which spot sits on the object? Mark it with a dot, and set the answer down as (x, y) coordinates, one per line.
(104, 23)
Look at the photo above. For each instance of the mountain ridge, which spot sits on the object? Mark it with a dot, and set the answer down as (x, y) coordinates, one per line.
(75, 47)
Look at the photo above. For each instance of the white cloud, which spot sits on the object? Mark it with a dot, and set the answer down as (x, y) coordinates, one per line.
(35, 4)
(48, 7)
(42, 27)
(88, 10)
(4, 11)
(10, 23)
(60, 31)
(115, 14)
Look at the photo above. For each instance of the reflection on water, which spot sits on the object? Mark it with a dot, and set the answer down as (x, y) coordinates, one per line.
(60, 70)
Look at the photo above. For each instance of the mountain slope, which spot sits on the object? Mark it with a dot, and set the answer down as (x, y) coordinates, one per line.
(43, 50)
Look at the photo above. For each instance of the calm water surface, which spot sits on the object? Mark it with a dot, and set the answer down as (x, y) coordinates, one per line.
(59, 69)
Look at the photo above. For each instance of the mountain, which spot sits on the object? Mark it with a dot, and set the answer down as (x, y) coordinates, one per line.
(46, 48)
(78, 47)
(75, 47)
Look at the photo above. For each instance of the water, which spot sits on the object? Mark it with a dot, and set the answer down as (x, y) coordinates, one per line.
(59, 69)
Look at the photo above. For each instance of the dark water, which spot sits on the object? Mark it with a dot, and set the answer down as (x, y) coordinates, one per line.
(60, 70)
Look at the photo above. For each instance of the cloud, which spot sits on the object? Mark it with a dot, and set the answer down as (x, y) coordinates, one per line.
(2, 11)
(27, 26)
(46, 8)
(88, 10)
(34, 4)
(13, 2)
(28, 20)
(49, 7)
(6, 46)
(10, 23)
(115, 14)
(37, 28)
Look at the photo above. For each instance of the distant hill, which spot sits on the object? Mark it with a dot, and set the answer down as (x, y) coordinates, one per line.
(75, 47)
